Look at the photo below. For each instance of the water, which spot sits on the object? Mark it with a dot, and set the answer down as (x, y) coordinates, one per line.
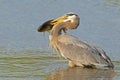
(25, 54)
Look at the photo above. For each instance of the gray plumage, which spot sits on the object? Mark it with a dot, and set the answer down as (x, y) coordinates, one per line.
(82, 53)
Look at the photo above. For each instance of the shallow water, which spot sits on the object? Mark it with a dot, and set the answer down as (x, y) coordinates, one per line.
(27, 64)
(25, 54)
(42, 65)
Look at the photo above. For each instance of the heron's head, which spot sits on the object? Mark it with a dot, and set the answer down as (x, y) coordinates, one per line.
(71, 19)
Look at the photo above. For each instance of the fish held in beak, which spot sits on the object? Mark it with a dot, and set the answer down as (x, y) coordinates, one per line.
(47, 26)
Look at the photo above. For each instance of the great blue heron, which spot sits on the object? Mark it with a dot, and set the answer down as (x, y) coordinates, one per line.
(78, 52)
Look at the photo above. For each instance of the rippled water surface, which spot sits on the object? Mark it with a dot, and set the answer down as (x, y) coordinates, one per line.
(25, 54)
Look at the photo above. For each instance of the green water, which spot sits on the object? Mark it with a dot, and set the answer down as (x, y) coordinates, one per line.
(26, 64)
(36, 65)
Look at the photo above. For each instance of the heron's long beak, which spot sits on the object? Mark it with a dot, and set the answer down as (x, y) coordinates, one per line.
(48, 25)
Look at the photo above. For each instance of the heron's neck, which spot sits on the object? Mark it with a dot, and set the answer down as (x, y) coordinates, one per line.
(56, 31)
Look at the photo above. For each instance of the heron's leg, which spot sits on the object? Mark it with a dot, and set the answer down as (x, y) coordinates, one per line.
(71, 64)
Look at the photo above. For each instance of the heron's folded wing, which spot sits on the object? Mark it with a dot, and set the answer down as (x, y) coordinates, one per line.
(78, 50)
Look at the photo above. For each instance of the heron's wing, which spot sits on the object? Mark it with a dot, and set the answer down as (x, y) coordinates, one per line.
(80, 51)
(103, 54)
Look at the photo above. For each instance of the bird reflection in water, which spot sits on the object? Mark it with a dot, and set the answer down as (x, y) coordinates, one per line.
(77, 73)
